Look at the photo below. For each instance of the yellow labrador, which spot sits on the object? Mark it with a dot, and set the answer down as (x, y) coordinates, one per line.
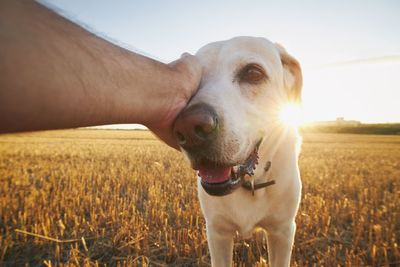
(245, 157)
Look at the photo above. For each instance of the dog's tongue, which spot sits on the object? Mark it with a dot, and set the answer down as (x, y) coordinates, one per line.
(214, 175)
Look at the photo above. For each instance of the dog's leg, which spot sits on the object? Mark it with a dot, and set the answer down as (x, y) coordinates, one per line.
(280, 243)
(220, 243)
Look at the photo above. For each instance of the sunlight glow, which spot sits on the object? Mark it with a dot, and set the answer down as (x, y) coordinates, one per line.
(291, 115)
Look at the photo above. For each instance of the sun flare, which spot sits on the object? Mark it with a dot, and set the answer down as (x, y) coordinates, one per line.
(291, 115)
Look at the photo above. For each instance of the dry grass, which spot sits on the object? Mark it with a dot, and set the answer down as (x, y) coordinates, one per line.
(96, 197)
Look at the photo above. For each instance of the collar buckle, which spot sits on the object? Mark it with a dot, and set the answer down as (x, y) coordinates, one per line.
(251, 185)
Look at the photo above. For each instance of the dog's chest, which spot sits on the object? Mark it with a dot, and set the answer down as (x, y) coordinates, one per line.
(241, 210)
(248, 211)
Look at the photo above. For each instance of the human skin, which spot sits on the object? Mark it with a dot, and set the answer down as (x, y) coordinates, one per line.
(55, 74)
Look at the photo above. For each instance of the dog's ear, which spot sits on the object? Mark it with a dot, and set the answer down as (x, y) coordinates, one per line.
(293, 78)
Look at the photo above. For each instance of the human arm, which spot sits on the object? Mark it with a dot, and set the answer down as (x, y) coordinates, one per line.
(54, 74)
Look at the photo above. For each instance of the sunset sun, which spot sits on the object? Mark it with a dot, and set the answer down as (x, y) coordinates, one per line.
(291, 115)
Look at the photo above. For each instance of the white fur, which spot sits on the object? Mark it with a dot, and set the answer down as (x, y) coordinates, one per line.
(251, 112)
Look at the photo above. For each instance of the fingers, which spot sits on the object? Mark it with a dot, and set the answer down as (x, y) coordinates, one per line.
(189, 70)
(166, 136)
(193, 63)
(186, 75)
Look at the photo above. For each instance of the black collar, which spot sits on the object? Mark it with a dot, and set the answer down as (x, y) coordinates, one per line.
(251, 186)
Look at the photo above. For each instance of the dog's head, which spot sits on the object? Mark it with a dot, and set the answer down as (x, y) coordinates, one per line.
(245, 82)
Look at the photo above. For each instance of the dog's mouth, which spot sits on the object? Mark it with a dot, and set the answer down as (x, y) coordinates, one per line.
(220, 180)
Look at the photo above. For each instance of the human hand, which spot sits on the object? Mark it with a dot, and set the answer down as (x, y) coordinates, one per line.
(186, 76)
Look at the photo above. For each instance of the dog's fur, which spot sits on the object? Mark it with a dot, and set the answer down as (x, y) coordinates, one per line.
(250, 112)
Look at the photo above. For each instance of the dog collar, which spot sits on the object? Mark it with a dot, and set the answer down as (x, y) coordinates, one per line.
(239, 180)
(252, 186)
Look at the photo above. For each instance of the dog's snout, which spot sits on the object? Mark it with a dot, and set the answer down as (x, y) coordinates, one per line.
(196, 126)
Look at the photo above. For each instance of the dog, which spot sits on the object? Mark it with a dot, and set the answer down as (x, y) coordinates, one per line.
(246, 158)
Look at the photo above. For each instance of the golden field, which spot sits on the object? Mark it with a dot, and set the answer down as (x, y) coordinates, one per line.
(122, 198)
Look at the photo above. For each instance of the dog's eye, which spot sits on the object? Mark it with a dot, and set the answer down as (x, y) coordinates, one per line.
(252, 73)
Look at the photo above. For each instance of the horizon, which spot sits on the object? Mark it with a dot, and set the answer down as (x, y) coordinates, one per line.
(134, 126)
(349, 51)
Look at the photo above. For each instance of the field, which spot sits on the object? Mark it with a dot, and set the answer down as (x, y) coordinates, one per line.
(121, 198)
(380, 128)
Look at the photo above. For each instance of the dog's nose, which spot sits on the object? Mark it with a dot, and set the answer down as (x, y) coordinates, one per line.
(195, 127)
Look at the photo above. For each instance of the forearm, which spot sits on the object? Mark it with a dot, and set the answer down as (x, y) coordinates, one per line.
(54, 74)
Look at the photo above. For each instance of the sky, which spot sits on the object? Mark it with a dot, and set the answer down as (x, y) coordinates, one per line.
(349, 50)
